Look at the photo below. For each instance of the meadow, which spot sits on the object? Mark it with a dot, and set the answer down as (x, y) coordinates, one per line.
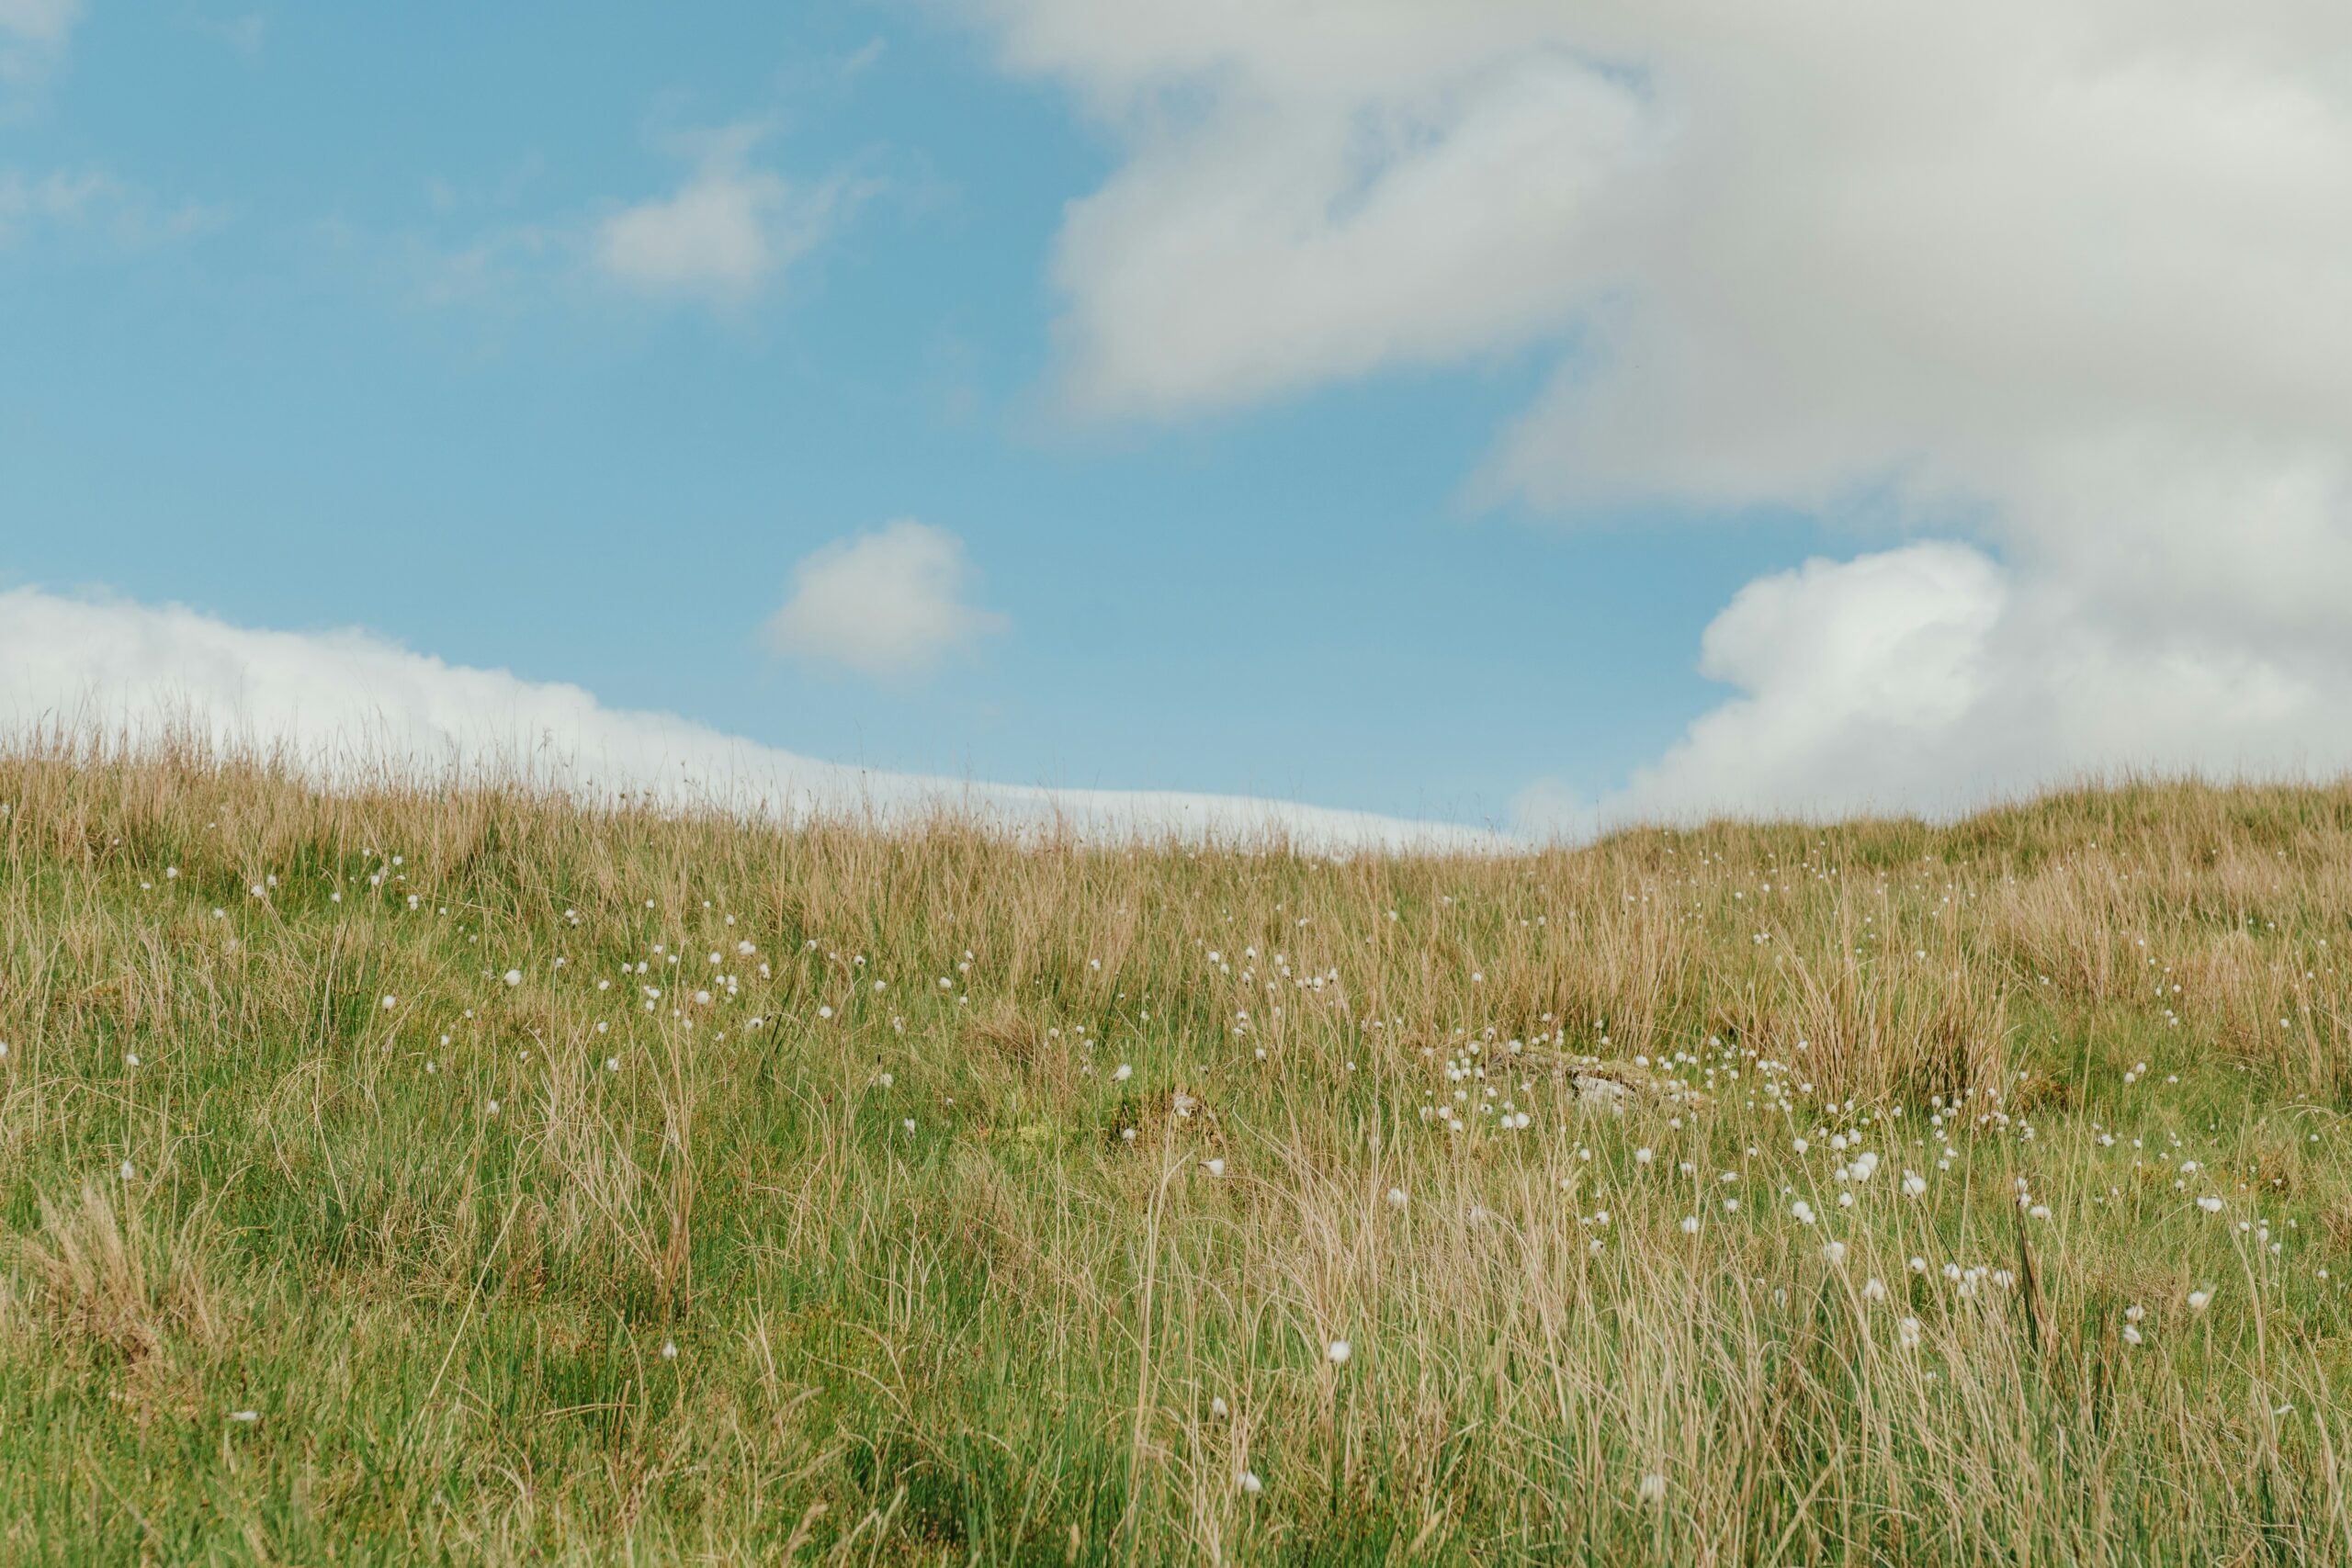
(462, 1175)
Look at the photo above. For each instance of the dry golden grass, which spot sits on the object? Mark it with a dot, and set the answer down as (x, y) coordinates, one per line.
(1609, 1166)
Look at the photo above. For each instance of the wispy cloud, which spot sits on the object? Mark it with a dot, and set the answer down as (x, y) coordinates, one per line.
(246, 35)
(43, 22)
(94, 205)
(33, 35)
(726, 235)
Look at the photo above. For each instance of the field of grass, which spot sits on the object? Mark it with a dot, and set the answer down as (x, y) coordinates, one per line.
(469, 1176)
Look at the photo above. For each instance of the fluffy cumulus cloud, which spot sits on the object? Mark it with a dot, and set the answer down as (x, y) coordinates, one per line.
(726, 232)
(1931, 679)
(347, 706)
(889, 604)
(2061, 284)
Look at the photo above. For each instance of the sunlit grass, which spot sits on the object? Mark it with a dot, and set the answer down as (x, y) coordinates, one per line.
(464, 1176)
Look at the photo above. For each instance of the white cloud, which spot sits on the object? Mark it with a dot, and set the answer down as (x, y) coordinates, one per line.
(725, 233)
(888, 603)
(2065, 281)
(93, 203)
(33, 36)
(1262, 255)
(1931, 679)
(1316, 189)
(347, 703)
(54, 198)
(39, 21)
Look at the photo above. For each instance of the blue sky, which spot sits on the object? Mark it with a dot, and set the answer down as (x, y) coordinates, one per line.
(1407, 464)
(281, 418)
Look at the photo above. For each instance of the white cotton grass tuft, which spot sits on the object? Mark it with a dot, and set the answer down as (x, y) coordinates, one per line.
(1338, 1352)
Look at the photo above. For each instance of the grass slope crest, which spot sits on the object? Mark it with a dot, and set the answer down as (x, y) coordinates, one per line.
(468, 1176)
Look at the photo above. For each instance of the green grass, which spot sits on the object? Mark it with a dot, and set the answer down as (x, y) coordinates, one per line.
(885, 1278)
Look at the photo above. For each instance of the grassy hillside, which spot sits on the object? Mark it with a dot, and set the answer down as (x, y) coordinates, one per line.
(471, 1178)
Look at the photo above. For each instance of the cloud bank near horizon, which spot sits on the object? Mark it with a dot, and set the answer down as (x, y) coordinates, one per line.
(1932, 680)
(348, 703)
